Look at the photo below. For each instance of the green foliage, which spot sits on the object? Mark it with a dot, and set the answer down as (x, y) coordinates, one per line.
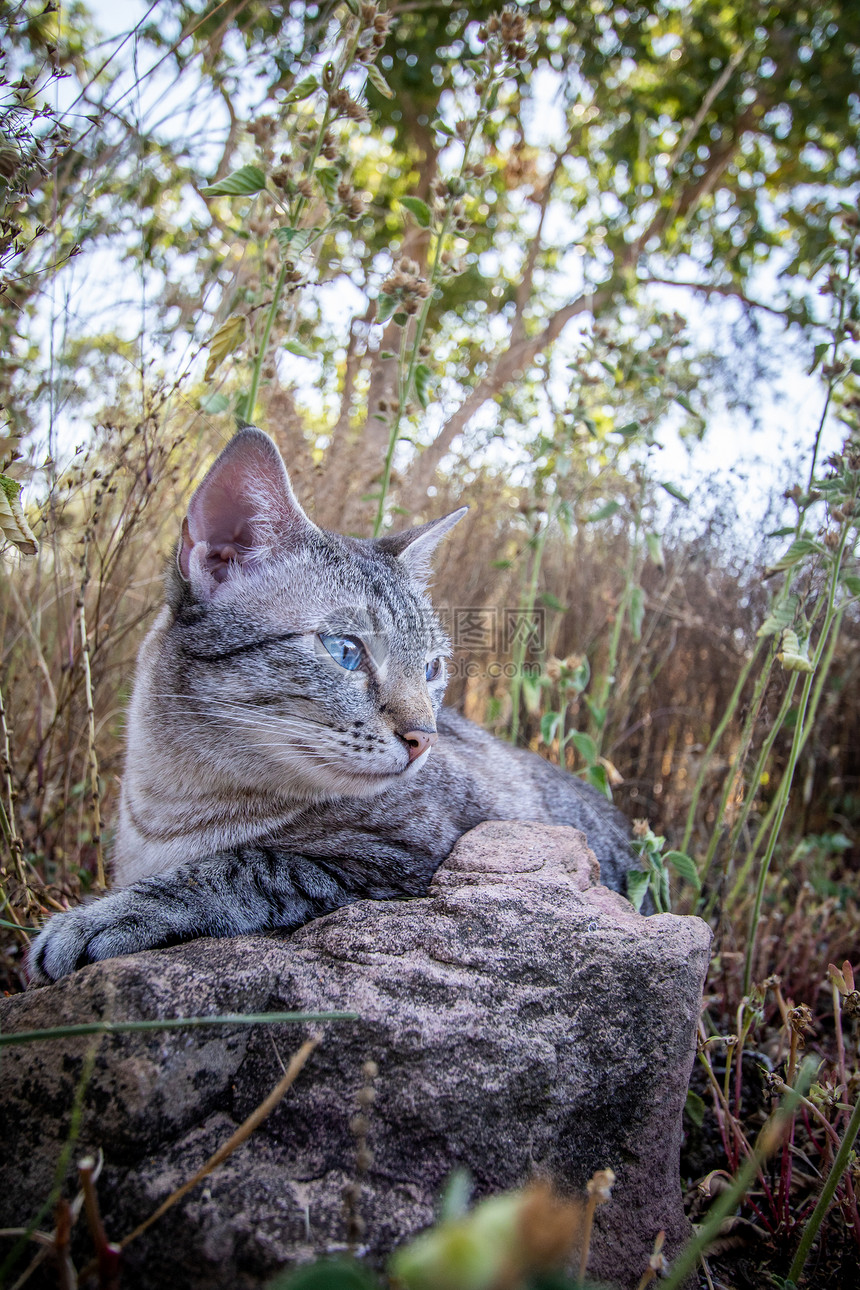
(327, 1274)
(654, 876)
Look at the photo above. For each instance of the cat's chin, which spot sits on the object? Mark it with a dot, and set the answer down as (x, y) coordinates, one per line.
(347, 782)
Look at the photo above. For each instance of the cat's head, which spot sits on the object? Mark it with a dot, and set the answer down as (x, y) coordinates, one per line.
(306, 661)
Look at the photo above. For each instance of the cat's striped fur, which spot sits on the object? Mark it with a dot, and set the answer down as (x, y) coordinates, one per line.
(270, 777)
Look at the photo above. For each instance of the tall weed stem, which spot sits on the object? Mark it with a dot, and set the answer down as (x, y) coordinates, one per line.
(838, 1168)
(7, 808)
(521, 641)
(603, 689)
(768, 1140)
(729, 712)
(353, 31)
(92, 756)
(412, 345)
(832, 618)
(779, 721)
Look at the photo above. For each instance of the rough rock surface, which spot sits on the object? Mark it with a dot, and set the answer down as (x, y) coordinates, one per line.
(525, 1022)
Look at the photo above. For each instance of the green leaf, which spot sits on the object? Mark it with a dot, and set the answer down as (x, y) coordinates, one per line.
(603, 513)
(552, 602)
(818, 354)
(242, 183)
(598, 714)
(531, 695)
(598, 778)
(419, 209)
(549, 724)
(629, 431)
(637, 886)
(13, 523)
(423, 376)
(565, 517)
(212, 404)
(794, 653)
(695, 1108)
(303, 90)
(580, 676)
(378, 81)
(779, 617)
(798, 550)
(326, 1274)
(851, 582)
(294, 239)
(675, 492)
(655, 550)
(456, 1194)
(637, 612)
(329, 178)
(225, 340)
(685, 867)
(296, 347)
(585, 746)
(385, 306)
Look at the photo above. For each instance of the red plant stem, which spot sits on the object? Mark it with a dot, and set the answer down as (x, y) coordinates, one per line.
(840, 1042)
(786, 1170)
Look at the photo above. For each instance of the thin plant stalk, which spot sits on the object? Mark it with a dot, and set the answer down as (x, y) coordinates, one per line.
(295, 216)
(602, 695)
(768, 1141)
(92, 756)
(838, 1168)
(731, 707)
(821, 677)
(406, 372)
(738, 760)
(521, 642)
(171, 1023)
(7, 818)
(832, 619)
(63, 1160)
(244, 1131)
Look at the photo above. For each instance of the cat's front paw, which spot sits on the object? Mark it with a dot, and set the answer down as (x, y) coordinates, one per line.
(73, 939)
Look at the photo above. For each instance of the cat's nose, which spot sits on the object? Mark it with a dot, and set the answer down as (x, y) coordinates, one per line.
(417, 741)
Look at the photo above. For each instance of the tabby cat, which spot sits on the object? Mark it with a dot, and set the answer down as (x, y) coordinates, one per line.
(288, 751)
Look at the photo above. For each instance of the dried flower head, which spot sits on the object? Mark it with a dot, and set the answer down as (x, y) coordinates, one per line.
(600, 1185)
(800, 1020)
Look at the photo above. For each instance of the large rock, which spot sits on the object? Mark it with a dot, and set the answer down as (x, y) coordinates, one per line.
(525, 1022)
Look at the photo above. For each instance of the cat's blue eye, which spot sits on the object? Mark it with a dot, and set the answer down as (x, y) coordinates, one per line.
(433, 670)
(344, 650)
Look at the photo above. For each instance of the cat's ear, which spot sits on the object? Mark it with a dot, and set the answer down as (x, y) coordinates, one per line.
(243, 511)
(415, 547)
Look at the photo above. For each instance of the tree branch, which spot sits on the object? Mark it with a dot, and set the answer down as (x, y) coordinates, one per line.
(521, 351)
(718, 289)
(524, 289)
(509, 366)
